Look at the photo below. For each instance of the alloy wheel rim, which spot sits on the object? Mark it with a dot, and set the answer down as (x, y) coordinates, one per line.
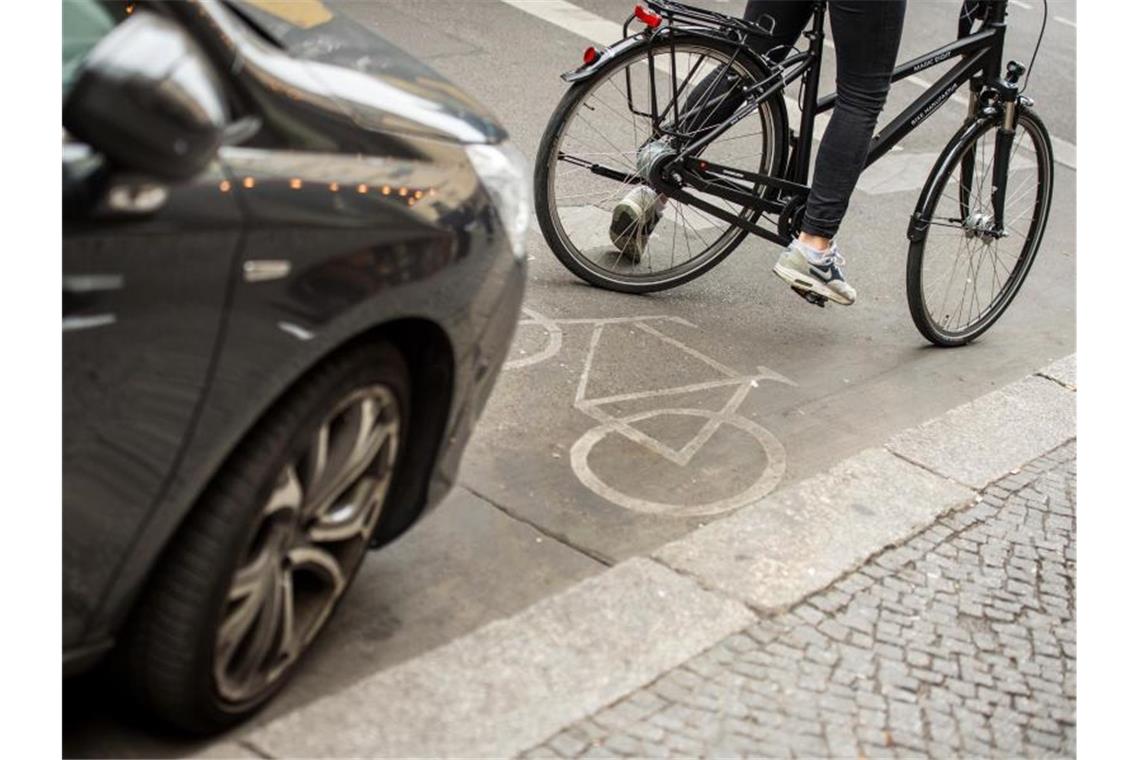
(313, 530)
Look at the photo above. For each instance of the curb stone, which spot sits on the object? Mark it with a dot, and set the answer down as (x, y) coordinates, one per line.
(513, 683)
(978, 442)
(798, 540)
(1064, 371)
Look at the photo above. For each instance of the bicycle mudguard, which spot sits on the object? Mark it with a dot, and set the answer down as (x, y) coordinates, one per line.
(917, 228)
(603, 56)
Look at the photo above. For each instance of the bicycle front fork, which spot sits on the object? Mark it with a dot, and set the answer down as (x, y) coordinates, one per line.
(1009, 98)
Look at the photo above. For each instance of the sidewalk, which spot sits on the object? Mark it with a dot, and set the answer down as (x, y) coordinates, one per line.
(917, 598)
(959, 642)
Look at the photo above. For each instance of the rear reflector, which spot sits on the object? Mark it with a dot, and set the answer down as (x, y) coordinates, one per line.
(649, 18)
(590, 55)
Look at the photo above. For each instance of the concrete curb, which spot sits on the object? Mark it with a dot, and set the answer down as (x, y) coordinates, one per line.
(511, 684)
(798, 540)
(977, 443)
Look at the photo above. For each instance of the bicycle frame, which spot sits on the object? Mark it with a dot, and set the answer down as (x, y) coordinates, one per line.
(980, 61)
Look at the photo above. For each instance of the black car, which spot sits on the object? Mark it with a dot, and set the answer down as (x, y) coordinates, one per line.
(292, 267)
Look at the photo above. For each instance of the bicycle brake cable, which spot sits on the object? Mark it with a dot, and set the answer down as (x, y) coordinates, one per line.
(1028, 71)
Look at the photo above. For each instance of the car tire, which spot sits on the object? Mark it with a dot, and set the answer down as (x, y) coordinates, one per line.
(249, 580)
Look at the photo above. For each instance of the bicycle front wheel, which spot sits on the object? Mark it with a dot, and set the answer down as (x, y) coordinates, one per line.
(964, 272)
(653, 97)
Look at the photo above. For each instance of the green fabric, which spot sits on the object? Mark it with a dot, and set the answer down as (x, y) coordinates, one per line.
(85, 22)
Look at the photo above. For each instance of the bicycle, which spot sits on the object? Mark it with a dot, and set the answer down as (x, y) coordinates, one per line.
(681, 142)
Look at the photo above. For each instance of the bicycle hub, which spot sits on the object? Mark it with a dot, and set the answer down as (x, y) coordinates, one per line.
(652, 160)
(981, 226)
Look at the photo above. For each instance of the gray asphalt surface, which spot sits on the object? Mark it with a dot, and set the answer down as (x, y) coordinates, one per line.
(525, 522)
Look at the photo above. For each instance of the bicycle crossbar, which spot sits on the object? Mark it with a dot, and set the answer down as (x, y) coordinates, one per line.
(906, 70)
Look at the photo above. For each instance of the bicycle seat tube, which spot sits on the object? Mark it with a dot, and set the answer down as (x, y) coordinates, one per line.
(810, 94)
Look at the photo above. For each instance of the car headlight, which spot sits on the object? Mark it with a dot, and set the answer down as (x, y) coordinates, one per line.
(505, 175)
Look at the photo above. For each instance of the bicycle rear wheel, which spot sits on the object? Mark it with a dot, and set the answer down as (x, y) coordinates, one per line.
(961, 276)
(605, 121)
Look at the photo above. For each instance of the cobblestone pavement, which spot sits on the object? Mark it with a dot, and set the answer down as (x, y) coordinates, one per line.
(960, 642)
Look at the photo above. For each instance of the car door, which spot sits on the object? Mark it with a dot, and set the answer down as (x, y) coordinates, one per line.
(146, 266)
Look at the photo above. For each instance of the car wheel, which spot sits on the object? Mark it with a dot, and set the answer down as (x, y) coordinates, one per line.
(268, 552)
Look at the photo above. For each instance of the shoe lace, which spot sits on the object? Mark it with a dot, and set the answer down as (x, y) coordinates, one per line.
(834, 258)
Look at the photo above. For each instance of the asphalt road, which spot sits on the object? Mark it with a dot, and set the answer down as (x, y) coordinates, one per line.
(547, 495)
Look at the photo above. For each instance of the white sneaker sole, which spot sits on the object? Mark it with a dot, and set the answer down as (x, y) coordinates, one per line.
(624, 232)
(799, 281)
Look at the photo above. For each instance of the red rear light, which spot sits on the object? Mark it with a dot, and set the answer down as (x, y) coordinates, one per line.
(649, 18)
(590, 55)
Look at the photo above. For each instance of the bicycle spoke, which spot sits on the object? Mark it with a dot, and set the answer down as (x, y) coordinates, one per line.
(968, 268)
(618, 151)
(694, 90)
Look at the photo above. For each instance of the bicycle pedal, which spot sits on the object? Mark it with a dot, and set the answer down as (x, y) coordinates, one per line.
(810, 296)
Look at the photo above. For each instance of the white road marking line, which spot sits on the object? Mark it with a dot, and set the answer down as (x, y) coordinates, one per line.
(601, 30)
(1065, 21)
(553, 343)
(595, 337)
(571, 18)
(1019, 4)
(615, 321)
(769, 478)
(776, 457)
(721, 368)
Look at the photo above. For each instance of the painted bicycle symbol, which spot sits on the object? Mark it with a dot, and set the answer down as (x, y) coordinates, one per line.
(774, 461)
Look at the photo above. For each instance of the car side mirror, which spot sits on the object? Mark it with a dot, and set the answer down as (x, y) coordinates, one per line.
(147, 98)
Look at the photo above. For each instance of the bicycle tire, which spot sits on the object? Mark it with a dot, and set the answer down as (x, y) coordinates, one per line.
(958, 150)
(551, 138)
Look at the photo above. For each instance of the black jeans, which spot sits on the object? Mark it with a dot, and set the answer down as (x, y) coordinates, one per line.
(866, 35)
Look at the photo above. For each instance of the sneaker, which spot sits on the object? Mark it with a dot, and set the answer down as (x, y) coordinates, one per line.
(805, 269)
(634, 218)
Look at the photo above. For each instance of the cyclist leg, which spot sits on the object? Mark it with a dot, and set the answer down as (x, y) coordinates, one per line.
(710, 101)
(718, 87)
(866, 34)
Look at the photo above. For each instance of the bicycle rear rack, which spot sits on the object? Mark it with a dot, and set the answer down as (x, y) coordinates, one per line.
(687, 17)
(679, 12)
